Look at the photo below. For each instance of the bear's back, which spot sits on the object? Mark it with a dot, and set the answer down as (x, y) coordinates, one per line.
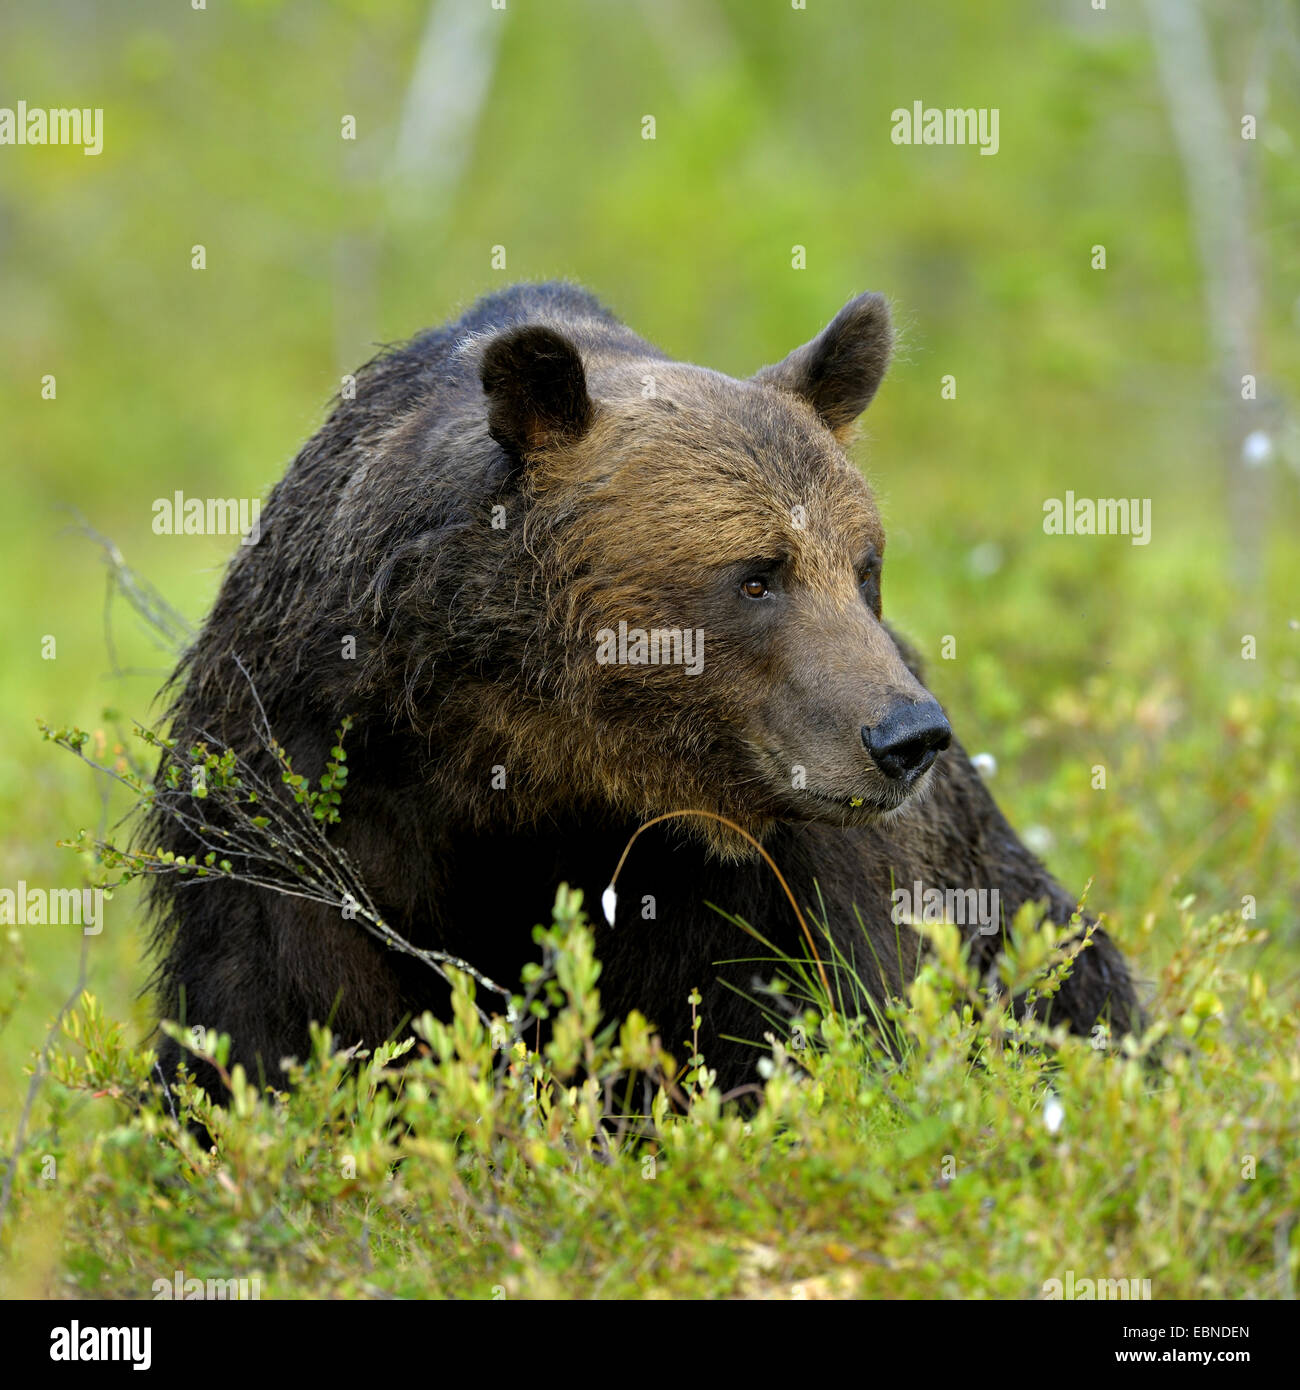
(445, 357)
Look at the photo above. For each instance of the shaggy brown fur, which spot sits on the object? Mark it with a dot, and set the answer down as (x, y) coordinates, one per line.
(499, 493)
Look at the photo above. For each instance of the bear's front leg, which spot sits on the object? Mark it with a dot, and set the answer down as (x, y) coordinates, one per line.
(965, 828)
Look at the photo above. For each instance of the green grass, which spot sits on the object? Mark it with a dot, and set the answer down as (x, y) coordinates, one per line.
(481, 1169)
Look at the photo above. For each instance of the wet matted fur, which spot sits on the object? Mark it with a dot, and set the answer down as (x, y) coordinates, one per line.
(440, 563)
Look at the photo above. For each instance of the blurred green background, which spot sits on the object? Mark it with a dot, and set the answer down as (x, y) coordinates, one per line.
(522, 128)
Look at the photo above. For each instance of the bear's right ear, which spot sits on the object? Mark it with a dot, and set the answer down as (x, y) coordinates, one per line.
(536, 390)
(839, 371)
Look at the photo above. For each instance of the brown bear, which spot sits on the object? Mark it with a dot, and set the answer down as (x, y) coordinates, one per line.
(564, 584)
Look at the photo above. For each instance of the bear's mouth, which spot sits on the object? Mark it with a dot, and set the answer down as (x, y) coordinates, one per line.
(867, 804)
(864, 807)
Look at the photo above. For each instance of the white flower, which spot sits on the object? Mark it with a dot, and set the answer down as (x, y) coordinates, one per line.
(1053, 1114)
(609, 902)
(1256, 449)
(1038, 839)
(985, 558)
(985, 764)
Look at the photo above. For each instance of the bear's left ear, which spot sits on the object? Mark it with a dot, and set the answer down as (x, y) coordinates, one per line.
(838, 372)
(536, 390)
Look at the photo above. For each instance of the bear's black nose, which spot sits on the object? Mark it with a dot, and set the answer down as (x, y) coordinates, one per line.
(908, 739)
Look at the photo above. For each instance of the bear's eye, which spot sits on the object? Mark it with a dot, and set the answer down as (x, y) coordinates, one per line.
(869, 585)
(755, 588)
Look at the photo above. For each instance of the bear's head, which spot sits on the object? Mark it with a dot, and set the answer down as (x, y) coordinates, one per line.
(710, 566)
